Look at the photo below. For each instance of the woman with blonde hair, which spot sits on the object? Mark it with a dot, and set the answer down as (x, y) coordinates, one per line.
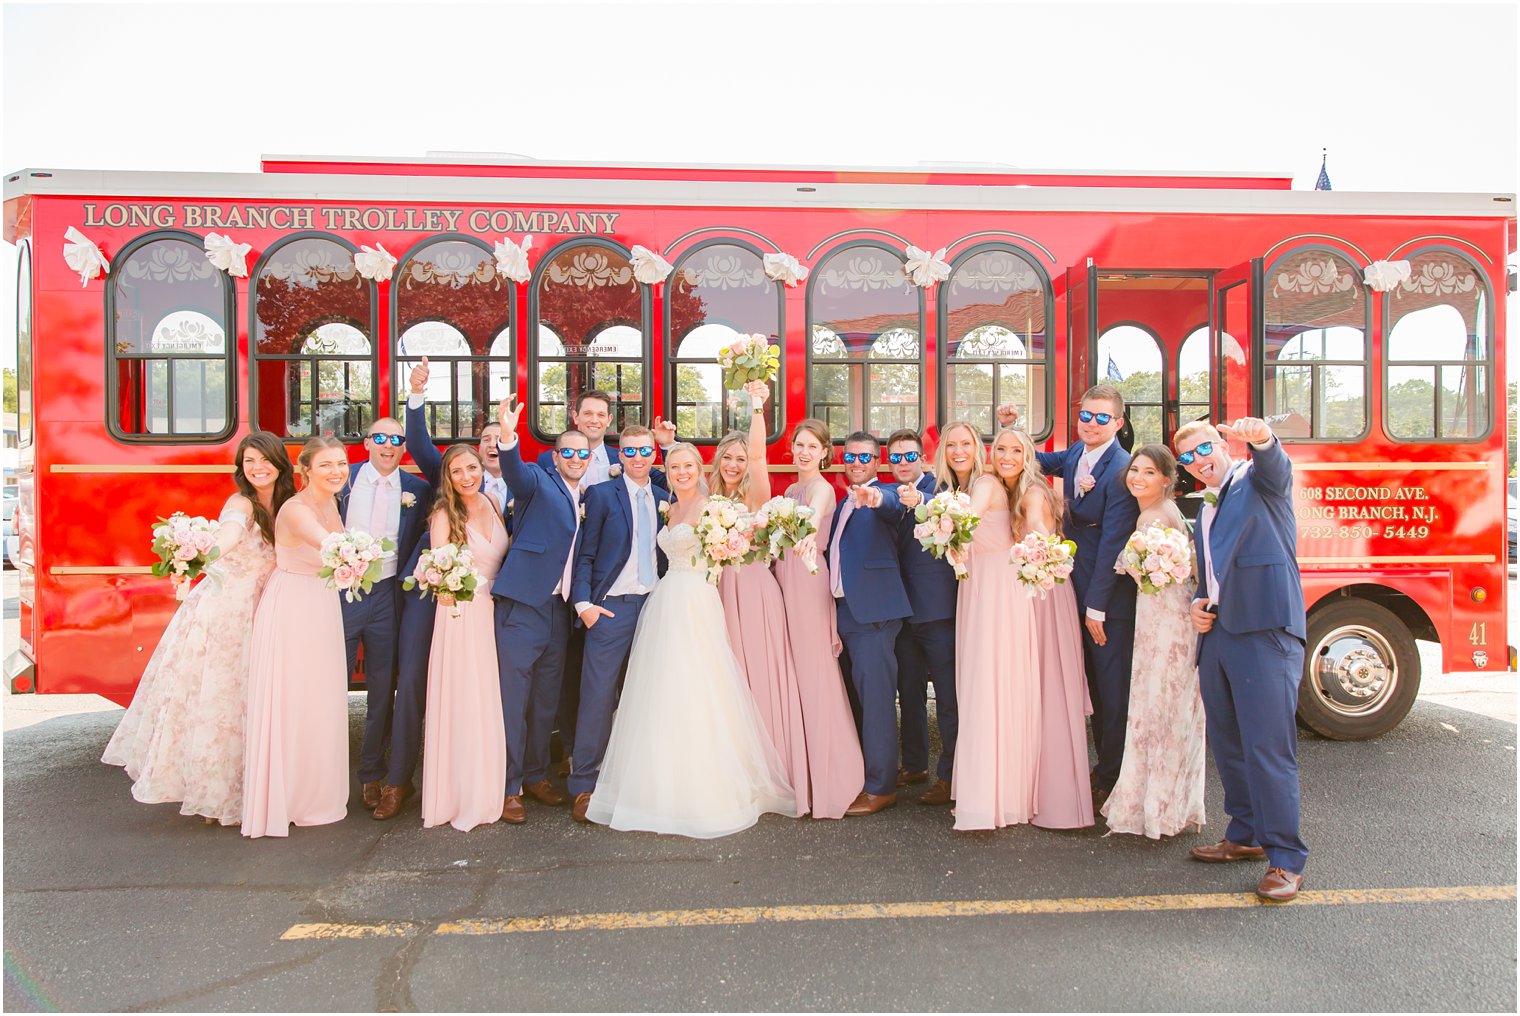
(1063, 790)
(296, 763)
(958, 458)
(752, 604)
(836, 766)
(465, 765)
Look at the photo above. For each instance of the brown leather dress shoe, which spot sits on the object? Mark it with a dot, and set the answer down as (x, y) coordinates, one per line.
(937, 794)
(1224, 850)
(1279, 885)
(370, 794)
(391, 799)
(544, 793)
(870, 804)
(905, 777)
(512, 810)
(578, 810)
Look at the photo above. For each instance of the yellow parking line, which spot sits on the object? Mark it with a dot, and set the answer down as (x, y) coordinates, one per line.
(895, 911)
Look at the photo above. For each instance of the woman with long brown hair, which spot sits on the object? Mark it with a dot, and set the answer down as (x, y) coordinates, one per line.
(465, 765)
(182, 738)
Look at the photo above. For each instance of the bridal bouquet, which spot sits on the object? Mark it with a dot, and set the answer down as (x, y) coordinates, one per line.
(726, 532)
(781, 524)
(945, 525)
(1042, 562)
(185, 545)
(749, 358)
(446, 570)
(1156, 558)
(351, 561)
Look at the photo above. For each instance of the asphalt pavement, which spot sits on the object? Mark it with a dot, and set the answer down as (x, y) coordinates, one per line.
(1409, 902)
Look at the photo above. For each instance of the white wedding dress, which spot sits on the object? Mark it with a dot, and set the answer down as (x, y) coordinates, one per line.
(688, 754)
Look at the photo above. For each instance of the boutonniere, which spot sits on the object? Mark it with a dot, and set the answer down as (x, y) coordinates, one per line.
(1087, 483)
(614, 471)
(583, 512)
(408, 499)
(1211, 498)
(665, 510)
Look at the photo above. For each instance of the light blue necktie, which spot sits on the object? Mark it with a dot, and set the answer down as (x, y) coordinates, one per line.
(642, 529)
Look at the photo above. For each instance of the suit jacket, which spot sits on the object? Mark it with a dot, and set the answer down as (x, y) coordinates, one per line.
(869, 559)
(609, 453)
(606, 538)
(931, 582)
(1099, 522)
(413, 524)
(545, 521)
(1255, 547)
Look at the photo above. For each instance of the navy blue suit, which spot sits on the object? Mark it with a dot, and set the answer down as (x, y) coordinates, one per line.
(532, 618)
(870, 614)
(1099, 522)
(1251, 661)
(926, 648)
(377, 621)
(602, 549)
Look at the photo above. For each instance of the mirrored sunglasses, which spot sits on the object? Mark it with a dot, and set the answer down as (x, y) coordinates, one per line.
(1206, 449)
(644, 452)
(854, 457)
(1103, 418)
(899, 457)
(381, 440)
(575, 453)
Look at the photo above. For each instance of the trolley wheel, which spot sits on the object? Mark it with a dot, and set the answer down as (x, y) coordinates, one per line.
(1361, 671)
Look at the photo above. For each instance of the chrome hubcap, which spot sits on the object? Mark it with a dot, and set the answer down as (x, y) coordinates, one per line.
(1354, 670)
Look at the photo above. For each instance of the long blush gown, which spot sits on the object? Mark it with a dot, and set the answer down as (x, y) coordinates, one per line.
(465, 765)
(997, 687)
(1063, 789)
(836, 766)
(296, 766)
(182, 737)
(1160, 787)
(756, 617)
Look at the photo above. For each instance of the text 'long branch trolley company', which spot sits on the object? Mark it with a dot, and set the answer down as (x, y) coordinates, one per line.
(1368, 327)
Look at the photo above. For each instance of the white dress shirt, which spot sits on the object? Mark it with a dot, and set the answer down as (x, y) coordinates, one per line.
(361, 503)
(599, 466)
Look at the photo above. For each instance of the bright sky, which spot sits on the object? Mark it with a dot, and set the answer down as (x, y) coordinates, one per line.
(1406, 97)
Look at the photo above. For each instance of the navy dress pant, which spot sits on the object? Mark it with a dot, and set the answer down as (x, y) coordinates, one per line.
(371, 621)
(872, 649)
(1108, 673)
(530, 650)
(925, 653)
(412, 653)
(604, 657)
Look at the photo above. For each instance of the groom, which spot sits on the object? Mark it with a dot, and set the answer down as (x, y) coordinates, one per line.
(616, 568)
(1250, 645)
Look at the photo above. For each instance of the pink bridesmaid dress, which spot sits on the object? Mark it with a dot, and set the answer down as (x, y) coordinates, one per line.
(835, 766)
(1062, 790)
(997, 687)
(756, 619)
(296, 765)
(465, 765)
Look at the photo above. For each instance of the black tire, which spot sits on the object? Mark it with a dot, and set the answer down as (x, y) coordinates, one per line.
(1361, 671)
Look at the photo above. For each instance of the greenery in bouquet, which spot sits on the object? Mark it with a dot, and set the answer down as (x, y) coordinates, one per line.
(945, 525)
(749, 358)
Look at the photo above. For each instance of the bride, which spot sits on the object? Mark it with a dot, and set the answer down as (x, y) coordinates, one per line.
(688, 754)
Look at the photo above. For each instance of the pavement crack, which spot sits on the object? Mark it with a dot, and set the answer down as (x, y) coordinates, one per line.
(257, 973)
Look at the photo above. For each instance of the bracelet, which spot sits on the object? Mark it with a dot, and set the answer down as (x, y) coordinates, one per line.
(759, 410)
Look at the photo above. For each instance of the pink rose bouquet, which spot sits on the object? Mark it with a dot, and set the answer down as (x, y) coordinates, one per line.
(945, 524)
(447, 570)
(1156, 558)
(781, 524)
(726, 532)
(1041, 562)
(185, 545)
(749, 358)
(351, 561)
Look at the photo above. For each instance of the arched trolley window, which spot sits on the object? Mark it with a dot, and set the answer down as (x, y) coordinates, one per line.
(1317, 317)
(1439, 358)
(1131, 359)
(312, 328)
(170, 357)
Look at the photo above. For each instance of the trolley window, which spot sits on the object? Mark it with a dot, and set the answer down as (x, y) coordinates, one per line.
(1317, 317)
(1130, 358)
(24, 344)
(1439, 365)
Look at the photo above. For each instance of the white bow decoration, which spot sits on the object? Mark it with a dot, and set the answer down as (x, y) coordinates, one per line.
(648, 267)
(227, 255)
(1383, 276)
(83, 256)
(785, 269)
(375, 263)
(512, 260)
(925, 269)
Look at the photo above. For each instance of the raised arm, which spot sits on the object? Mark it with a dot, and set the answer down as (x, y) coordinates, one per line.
(419, 443)
(759, 474)
(521, 477)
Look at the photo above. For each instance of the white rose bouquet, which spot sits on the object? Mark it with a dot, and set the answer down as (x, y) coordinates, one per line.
(1156, 558)
(1042, 562)
(945, 526)
(749, 358)
(727, 534)
(781, 524)
(447, 570)
(351, 561)
(185, 545)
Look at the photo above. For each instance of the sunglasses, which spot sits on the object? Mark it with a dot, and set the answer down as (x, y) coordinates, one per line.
(645, 451)
(575, 453)
(1104, 419)
(381, 440)
(1206, 449)
(897, 458)
(853, 457)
